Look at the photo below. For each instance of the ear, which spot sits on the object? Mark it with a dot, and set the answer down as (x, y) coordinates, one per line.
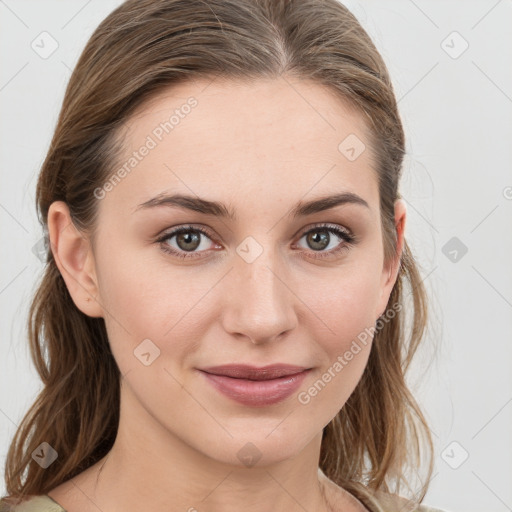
(390, 271)
(74, 258)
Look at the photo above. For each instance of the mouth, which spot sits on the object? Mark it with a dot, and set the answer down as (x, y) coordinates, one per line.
(248, 372)
(253, 386)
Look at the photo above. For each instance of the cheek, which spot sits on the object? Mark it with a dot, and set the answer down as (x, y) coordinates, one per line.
(145, 300)
(344, 303)
(345, 308)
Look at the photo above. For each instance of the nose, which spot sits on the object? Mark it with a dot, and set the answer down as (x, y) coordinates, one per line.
(259, 304)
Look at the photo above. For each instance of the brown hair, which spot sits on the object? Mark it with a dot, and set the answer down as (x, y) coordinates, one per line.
(141, 48)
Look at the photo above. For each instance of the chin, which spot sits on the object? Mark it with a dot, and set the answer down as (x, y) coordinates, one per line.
(260, 447)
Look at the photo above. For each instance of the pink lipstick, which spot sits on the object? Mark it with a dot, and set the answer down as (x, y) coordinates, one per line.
(254, 386)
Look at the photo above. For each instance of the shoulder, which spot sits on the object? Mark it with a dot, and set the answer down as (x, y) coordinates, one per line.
(391, 502)
(36, 503)
(426, 508)
(370, 500)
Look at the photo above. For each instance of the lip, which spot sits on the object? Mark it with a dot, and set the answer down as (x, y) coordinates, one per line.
(254, 386)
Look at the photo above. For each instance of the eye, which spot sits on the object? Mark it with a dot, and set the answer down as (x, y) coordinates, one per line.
(188, 240)
(320, 237)
(189, 243)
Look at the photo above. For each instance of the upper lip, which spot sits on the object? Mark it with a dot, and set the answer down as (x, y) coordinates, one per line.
(244, 371)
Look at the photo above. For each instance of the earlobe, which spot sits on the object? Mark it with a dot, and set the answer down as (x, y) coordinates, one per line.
(73, 256)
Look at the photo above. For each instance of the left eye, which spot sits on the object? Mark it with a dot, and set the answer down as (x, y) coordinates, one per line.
(188, 241)
(319, 238)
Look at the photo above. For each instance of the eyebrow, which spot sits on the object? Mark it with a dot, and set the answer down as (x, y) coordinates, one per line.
(218, 209)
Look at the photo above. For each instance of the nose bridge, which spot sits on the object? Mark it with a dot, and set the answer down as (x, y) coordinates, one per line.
(261, 306)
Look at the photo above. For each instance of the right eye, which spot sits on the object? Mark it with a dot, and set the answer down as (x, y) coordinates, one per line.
(188, 239)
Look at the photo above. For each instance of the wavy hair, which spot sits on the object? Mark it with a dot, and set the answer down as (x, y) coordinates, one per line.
(140, 49)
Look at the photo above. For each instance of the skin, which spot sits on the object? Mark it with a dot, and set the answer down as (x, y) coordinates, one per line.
(260, 148)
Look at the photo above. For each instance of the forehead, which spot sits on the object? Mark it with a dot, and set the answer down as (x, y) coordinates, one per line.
(265, 139)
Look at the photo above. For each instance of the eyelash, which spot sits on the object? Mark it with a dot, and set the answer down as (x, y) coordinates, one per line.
(349, 240)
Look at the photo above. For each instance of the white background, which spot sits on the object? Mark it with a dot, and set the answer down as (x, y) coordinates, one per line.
(457, 114)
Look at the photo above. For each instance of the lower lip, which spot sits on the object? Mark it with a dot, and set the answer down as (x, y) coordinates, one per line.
(257, 393)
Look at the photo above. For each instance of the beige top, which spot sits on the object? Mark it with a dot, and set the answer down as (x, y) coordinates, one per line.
(43, 503)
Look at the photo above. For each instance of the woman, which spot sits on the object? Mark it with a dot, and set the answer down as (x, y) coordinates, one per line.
(223, 303)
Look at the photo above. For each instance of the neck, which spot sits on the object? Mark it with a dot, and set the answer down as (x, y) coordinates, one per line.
(153, 469)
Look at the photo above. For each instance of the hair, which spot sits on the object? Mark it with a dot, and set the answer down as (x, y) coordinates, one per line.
(142, 48)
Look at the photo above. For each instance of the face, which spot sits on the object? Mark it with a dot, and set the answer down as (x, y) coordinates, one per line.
(271, 281)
